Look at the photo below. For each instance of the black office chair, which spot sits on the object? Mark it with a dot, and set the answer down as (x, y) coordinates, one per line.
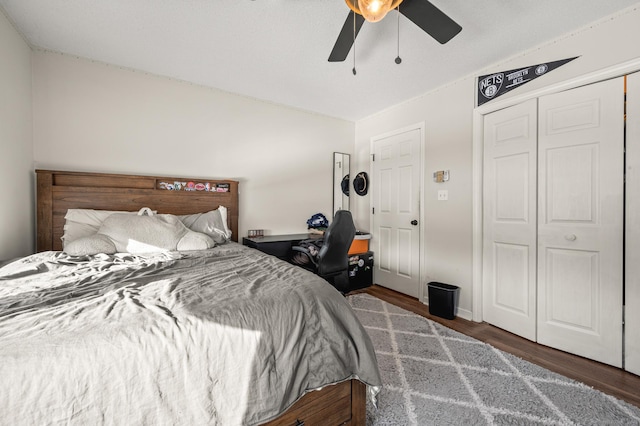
(332, 261)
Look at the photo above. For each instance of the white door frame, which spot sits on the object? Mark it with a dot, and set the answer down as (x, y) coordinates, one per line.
(478, 137)
(418, 126)
(632, 273)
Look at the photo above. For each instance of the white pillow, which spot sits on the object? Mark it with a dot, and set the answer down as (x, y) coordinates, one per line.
(80, 223)
(151, 234)
(212, 223)
(195, 241)
(87, 246)
(223, 213)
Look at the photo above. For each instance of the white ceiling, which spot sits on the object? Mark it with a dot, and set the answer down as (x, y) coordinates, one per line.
(277, 50)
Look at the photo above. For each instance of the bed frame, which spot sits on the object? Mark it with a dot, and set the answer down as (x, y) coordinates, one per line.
(58, 191)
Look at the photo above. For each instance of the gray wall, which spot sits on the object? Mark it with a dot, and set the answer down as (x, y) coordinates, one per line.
(92, 116)
(16, 149)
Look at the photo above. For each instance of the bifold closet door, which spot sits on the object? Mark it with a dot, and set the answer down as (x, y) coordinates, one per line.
(580, 220)
(509, 224)
(632, 240)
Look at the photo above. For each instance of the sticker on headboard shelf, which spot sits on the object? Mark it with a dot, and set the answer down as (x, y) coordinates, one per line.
(194, 186)
(222, 187)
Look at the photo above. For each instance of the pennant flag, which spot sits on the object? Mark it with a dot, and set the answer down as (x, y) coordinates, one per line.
(491, 86)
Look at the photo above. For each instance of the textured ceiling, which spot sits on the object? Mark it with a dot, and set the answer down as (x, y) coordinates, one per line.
(277, 50)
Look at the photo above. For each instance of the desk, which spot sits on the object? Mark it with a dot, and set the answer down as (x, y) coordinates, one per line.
(360, 265)
(277, 245)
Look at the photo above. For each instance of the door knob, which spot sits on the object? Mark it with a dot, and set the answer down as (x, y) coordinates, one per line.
(570, 237)
(414, 222)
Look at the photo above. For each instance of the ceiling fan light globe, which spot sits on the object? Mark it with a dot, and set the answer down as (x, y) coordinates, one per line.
(372, 10)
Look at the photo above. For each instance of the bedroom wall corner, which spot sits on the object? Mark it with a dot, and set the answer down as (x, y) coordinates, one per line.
(17, 206)
(446, 225)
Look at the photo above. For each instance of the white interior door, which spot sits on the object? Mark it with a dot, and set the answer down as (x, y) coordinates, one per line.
(396, 211)
(580, 220)
(510, 228)
(632, 240)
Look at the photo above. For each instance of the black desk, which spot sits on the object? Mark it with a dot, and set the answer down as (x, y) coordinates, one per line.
(360, 265)
(277, 245)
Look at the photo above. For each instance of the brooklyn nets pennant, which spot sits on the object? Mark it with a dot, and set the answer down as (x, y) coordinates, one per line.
(491, 86)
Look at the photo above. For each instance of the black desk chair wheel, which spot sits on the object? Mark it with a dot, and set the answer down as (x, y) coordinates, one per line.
(332, 261)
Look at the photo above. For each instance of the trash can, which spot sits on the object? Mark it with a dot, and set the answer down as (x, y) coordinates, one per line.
(443, 299)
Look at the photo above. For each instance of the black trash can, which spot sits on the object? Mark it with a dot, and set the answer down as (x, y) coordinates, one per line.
(443, 299)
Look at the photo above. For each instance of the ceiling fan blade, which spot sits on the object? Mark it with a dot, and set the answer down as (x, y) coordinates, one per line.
(431, 19)
(345, 38)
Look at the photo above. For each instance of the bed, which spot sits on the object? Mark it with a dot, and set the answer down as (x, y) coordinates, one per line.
(226, 335)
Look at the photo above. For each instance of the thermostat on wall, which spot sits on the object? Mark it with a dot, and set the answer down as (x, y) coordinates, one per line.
(441, 176)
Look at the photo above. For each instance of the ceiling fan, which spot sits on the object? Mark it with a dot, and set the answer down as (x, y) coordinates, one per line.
(421, 12)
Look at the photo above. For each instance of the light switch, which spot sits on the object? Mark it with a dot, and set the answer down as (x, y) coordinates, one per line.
(443, 195)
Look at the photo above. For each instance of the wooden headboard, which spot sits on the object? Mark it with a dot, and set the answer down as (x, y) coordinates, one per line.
(58, 191)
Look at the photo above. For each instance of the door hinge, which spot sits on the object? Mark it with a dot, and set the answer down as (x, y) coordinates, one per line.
(373, 210)
(373, 157)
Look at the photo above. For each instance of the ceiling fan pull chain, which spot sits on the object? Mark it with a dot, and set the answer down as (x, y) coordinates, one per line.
(354, 44)
(398, 59)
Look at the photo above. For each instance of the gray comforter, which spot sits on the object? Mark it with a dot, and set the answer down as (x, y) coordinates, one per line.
(223, 336)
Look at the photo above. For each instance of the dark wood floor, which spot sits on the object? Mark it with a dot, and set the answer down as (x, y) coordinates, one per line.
(611, 380)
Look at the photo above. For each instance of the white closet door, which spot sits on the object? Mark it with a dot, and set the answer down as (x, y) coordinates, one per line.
(580, 221)
(632, 254)
(509, 252)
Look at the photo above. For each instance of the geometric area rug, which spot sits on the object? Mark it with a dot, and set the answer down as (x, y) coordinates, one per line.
(433, 375)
